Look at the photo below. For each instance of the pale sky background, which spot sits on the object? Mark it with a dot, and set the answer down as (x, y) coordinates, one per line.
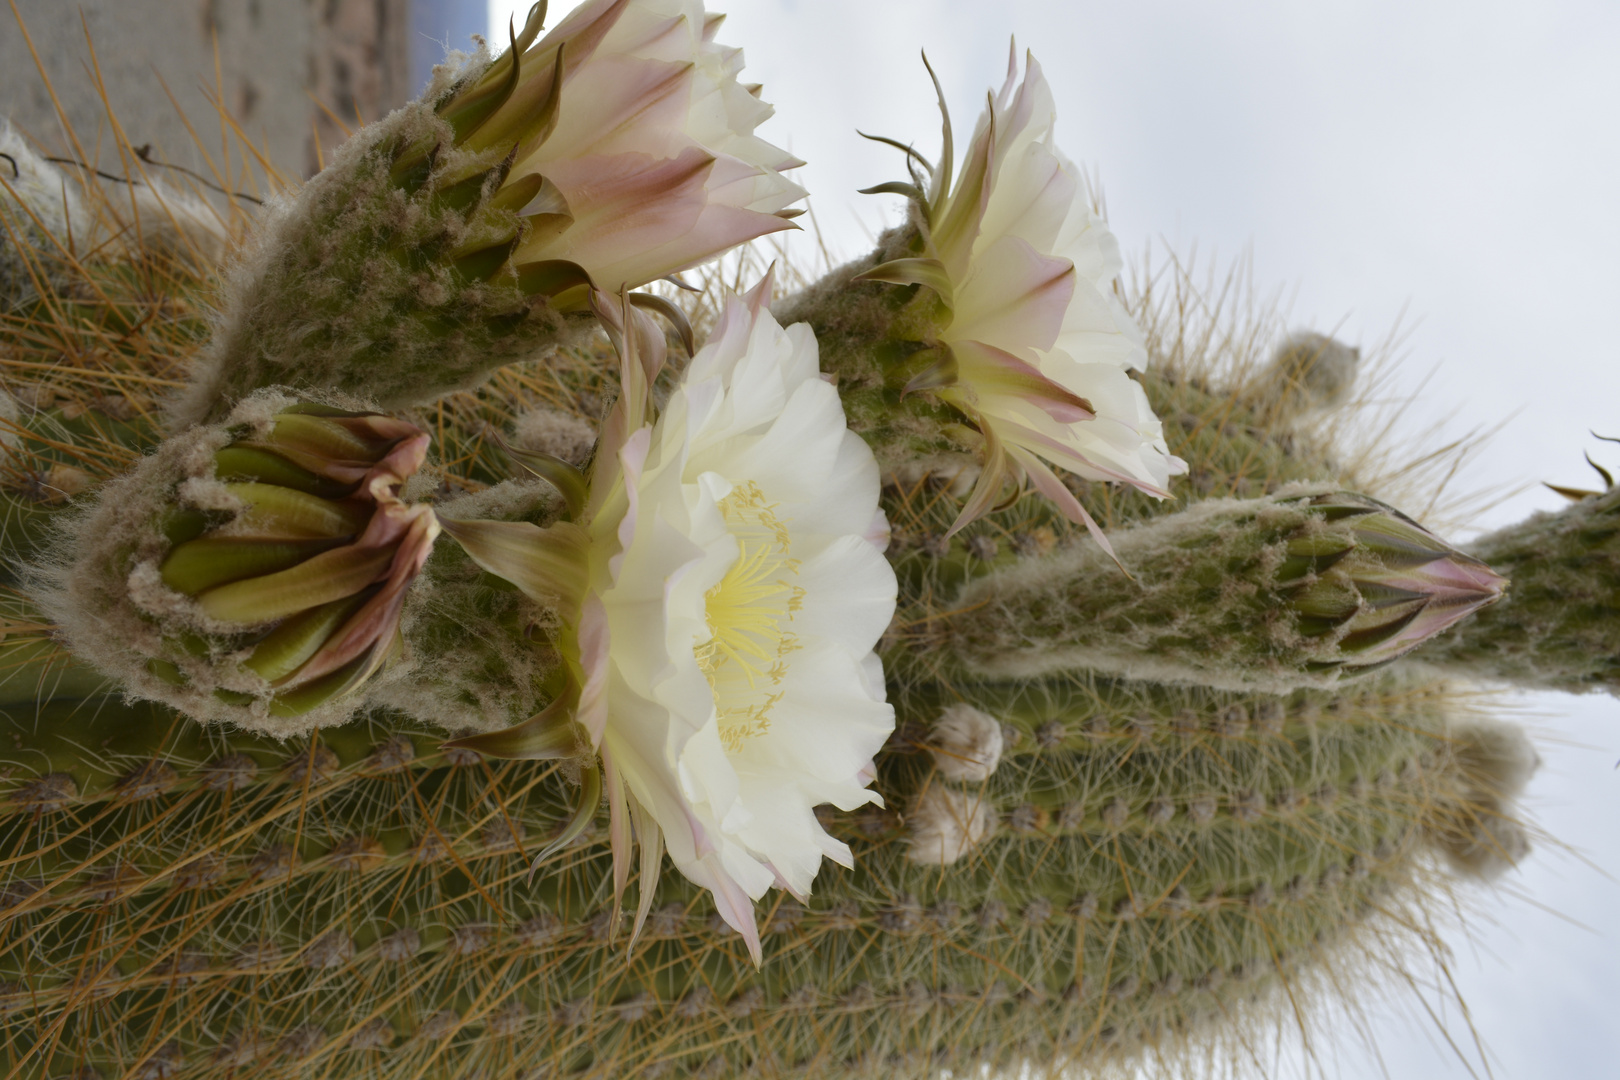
(1457, 160)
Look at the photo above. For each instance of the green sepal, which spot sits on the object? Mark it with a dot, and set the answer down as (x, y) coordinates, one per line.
(211, 561)
(677, 317)
(551, 277)
(252, 463)
(551, 734)
(590, 798)
(300, 637)
(567, 479)
(930, 273)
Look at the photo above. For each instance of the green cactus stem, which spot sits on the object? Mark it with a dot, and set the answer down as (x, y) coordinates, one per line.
(1558, 628)
(318, 924)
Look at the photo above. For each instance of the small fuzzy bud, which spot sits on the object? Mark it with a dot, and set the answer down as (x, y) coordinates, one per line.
(946, 824)
(252, 572)
(1308, 371)
(966, 744)
(1479, 832)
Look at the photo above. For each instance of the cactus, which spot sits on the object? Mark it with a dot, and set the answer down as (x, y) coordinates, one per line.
(1158, 858)
(1083, 861)
(1149, 859)
(1556, 629)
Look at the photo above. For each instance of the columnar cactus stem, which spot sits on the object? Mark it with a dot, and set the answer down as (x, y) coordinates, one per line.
(1558, 628)
(1133, 886)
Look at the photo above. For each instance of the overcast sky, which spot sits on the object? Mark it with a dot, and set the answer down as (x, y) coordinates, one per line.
(1459, 161)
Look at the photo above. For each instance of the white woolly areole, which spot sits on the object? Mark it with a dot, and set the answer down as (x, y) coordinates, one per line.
(740, 685)
(966, 744)
(554, 432)
(945, 824)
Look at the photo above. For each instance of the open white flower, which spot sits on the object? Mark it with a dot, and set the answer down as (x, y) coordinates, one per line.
(735, 589)
(1033, 344)
(632, 140)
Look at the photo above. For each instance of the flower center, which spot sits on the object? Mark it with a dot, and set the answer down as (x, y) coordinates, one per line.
(748, 611)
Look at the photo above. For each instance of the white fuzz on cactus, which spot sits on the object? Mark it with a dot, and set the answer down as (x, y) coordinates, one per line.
(945, 824)
(966, 744)
(466, 230)
(42, 220)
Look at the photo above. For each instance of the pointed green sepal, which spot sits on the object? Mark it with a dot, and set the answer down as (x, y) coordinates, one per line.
(567, 479)
(547, 565)
(550, 735)
(930, 273)
(551, 277)
(677, 317)
(590, 797)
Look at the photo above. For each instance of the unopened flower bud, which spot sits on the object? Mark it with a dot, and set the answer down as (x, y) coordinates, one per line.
(1380, 584)
(966, 744)
(945, 824)
(1276, 593)
(252, 571)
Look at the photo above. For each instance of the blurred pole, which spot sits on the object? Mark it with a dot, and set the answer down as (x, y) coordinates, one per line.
(294, 74)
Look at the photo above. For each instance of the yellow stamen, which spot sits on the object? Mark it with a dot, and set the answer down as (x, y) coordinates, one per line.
(747, 613)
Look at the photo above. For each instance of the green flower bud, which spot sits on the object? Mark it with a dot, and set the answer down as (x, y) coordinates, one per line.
(253, 571)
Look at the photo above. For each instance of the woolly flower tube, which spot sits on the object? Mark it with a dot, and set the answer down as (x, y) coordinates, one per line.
(1276, 593)
(727, 586)
(1000, 305)
(464, 231)
(251, 572)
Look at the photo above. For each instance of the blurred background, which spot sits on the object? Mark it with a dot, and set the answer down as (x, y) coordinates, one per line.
(1433, 173)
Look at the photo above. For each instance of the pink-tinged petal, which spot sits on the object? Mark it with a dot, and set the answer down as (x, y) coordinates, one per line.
(402, 462)
(878, 534)
(1064, 453)
(651, 838)
(758, 298)
(985, 369)
(617, 105)
(378, 618)
(737, 909)
(619, 839)
(1013, 298)
(595, 660)
(624, 204)
(1047, 483)
(546, 565)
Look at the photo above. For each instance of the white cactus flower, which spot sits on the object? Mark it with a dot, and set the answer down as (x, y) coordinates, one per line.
(734, 588)
(1034, 346)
